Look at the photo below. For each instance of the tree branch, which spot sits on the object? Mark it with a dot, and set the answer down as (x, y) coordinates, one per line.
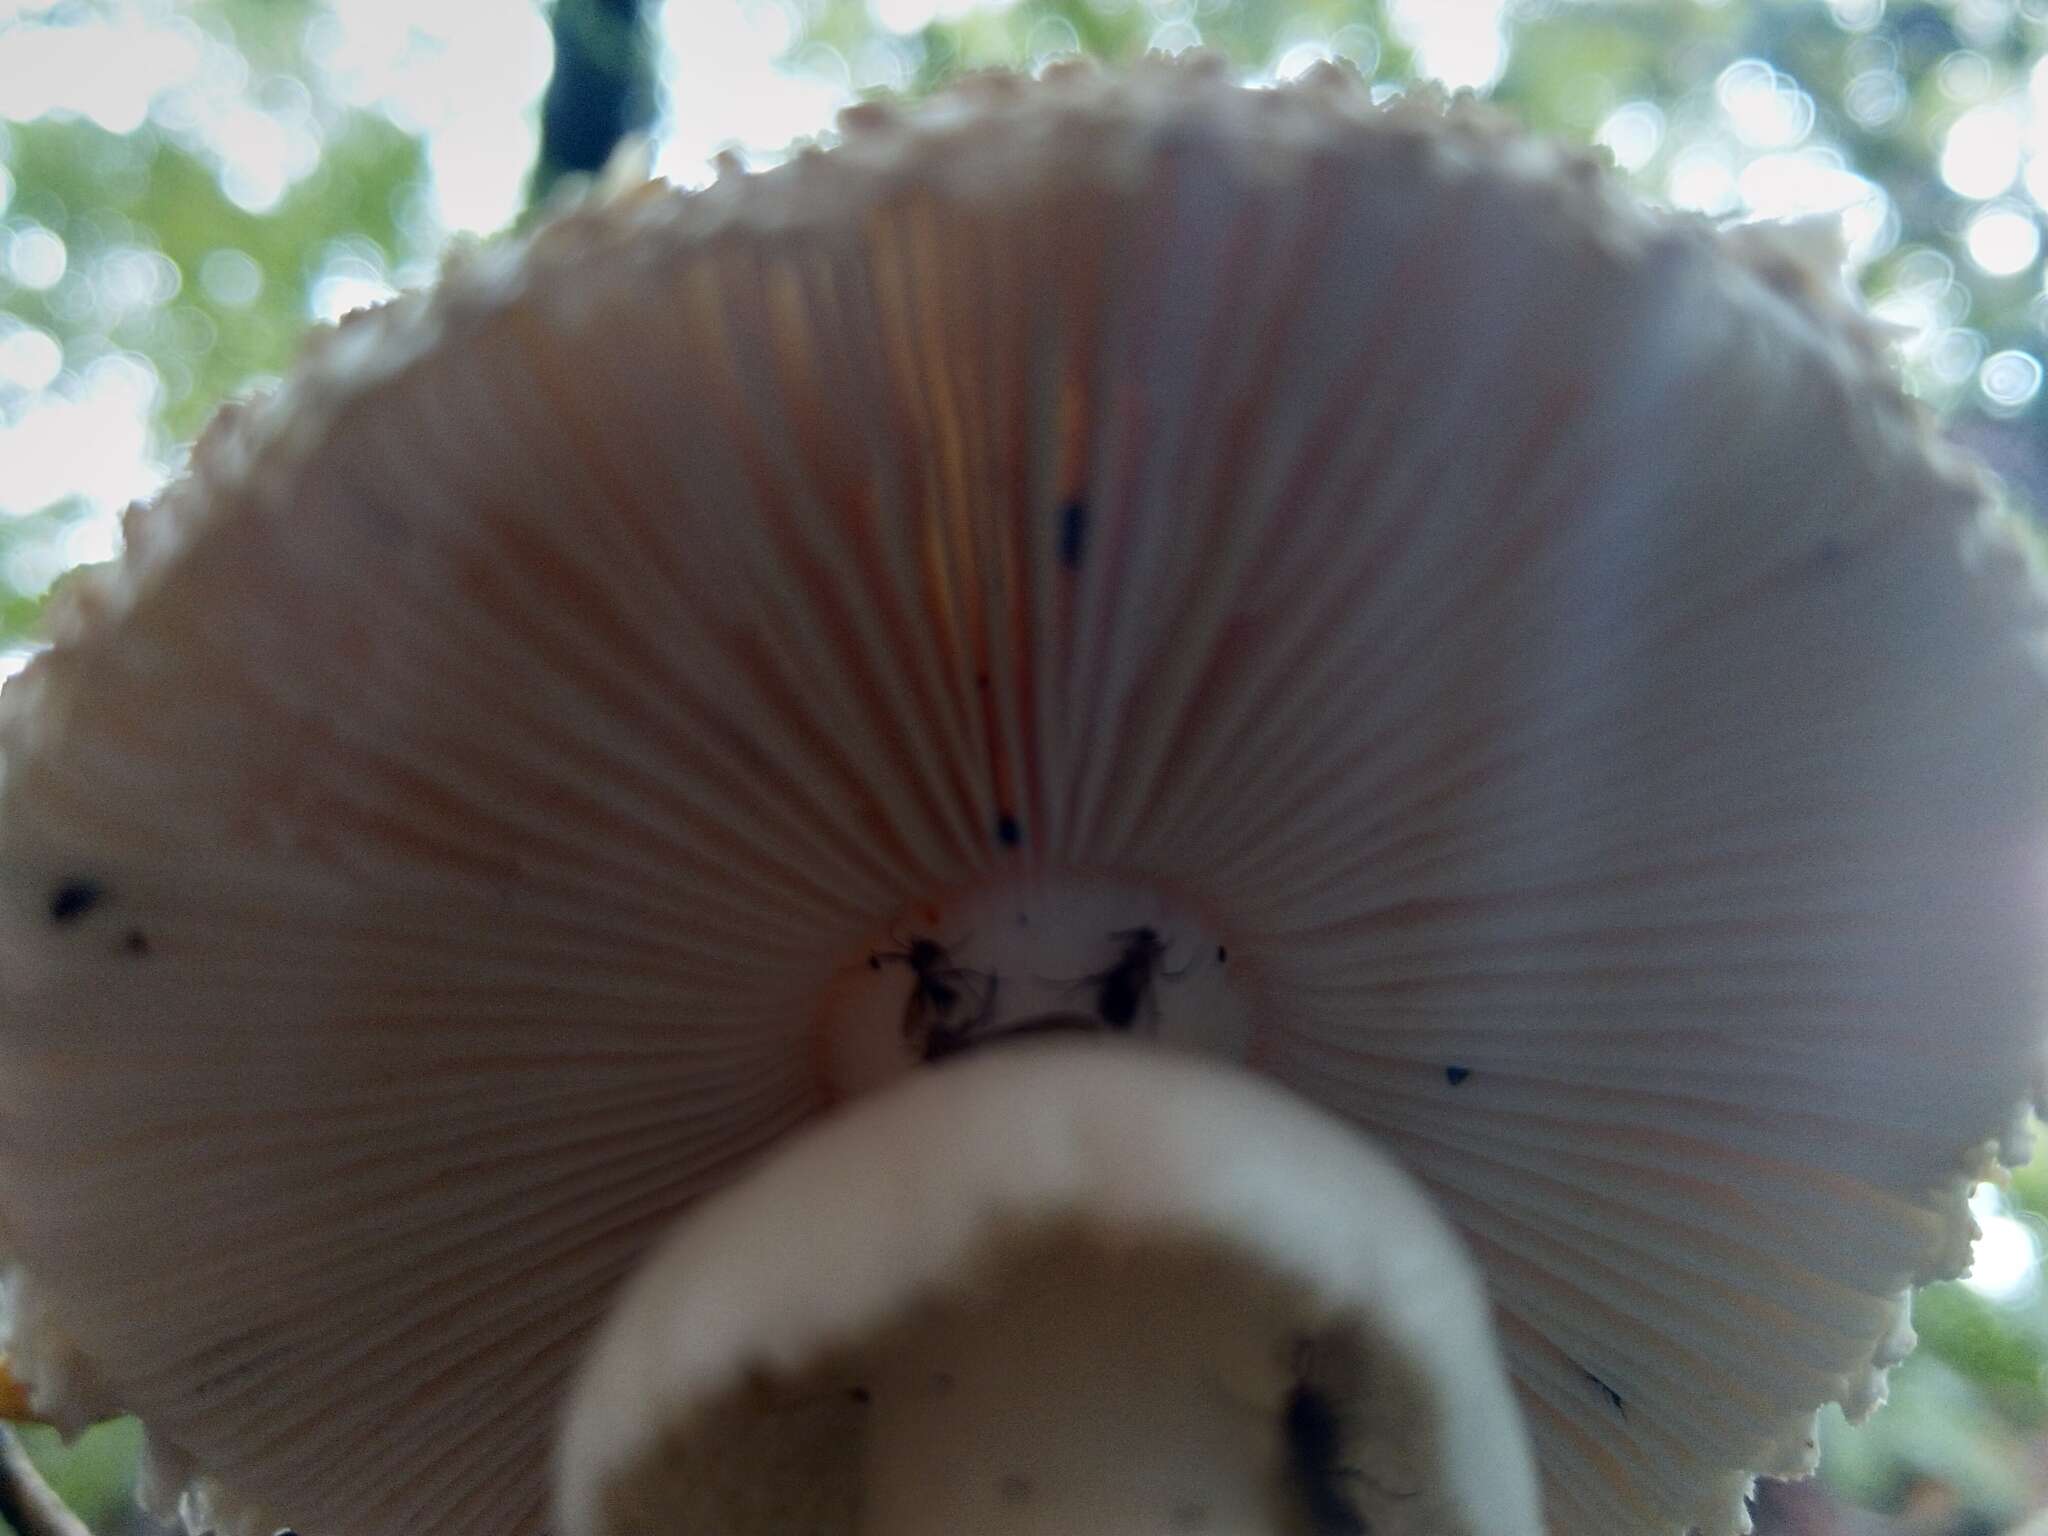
(603, 87)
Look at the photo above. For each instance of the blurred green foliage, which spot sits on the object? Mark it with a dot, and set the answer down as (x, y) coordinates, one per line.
(94, 1474)
(230, 283)
(207, 343)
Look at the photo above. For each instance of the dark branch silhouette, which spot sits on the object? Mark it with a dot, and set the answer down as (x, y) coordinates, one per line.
(602, 89)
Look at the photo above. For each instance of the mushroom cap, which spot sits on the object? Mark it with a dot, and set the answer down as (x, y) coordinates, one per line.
(1530, 632)
(1091, 1273)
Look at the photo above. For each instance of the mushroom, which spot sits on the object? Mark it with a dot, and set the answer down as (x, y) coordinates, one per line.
(1056, 1289)
(1083, 574)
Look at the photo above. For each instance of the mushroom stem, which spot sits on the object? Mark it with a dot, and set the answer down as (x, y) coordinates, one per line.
(1058, 1288)
(26, 1501)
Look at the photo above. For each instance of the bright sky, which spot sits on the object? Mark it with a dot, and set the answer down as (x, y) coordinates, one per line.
(2007, 1259)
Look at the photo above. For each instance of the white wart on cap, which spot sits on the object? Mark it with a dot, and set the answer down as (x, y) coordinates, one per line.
(1544, 692)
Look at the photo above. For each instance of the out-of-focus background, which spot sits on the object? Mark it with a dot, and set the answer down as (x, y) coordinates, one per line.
(185, 188)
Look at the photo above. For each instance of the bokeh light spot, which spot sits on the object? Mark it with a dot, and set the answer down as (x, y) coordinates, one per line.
(231, 278)
(1813, 183)
(882, 64)
(1875, 97)
(904, 16)
(1632, 133)
(2009, 381)
(1980, 154)
(1702, 179)
(1051, 37)
(36, 257)
(128, 277)
(2003, 239)
(1964, 76)
(351, 277)
(1459, 42)
(30, 357)
(1358, 43)
(1299, 59)
(1765, 106)
(1954, 355)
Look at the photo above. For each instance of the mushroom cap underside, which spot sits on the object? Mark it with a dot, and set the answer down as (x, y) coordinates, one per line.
(1533, 632)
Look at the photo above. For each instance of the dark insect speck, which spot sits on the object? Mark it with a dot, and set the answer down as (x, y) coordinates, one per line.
(1611, 1395)
(1008, 832)
(73, 899)
(1073, 535)
(135, 942)
(862, 1396)
(948, 1004)
(1126, 989)
(1222, 954)
(1456, 1075)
